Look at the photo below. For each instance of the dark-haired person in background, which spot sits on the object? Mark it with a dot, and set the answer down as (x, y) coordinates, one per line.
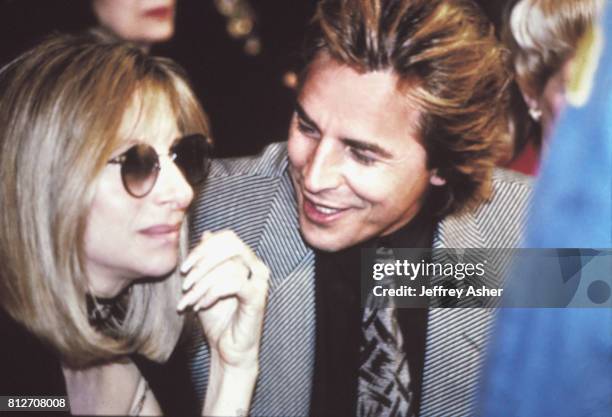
(143, 22)
(399, 120)
(228, 81)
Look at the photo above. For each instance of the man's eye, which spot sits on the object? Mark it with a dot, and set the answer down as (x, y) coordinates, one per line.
(361, 157)
(305, 128)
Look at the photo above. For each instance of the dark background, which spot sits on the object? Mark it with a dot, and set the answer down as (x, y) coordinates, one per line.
(244, 96)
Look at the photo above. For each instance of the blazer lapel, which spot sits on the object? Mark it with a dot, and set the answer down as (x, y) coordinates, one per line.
(287, 355)
(281, 246)
(456, 337)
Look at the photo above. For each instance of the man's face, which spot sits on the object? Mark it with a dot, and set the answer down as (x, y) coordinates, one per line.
(357, 163)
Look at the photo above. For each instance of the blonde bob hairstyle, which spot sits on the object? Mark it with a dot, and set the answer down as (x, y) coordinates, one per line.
(62, 104)
(543, 35)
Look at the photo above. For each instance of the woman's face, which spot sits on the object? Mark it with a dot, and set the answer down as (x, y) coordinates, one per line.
(129, 238)
(144, 21)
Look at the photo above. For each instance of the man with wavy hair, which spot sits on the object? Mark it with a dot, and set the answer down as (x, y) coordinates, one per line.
(399, 120)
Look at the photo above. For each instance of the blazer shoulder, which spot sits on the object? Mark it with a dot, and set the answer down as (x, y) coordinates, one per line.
(502, 219)
(270, 162)
(507, 178)
(511, 194)
(497, 222)
(248, 195)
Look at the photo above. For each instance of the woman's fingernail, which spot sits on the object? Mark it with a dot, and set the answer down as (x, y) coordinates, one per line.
(187, 285)
(185, 267)
(199, 306)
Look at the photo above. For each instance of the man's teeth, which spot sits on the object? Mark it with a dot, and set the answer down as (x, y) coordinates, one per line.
(326, 210)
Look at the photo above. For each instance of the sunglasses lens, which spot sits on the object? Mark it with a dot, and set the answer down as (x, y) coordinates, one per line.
(191, 158)
(139, 170)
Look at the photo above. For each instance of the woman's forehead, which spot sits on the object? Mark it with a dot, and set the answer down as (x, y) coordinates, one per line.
(149, 117)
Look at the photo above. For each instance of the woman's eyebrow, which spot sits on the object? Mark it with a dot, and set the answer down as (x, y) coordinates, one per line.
(125, 145)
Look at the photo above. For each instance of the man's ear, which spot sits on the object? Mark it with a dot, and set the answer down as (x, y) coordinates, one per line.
(435, 179)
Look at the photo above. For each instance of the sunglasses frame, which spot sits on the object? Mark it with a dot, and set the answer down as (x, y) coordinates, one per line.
(156, 167)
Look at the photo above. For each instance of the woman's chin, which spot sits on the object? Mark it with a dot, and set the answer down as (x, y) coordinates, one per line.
(158, 266)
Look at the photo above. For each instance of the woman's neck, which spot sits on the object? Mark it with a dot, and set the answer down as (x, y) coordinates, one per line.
(105, 389)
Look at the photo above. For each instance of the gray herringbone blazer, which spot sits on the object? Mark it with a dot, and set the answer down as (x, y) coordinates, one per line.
(254, 197)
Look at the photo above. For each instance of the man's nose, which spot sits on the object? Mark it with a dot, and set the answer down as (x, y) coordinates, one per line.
(172, 187)
(323, 167)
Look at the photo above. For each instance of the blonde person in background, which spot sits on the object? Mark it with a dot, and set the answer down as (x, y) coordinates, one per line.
(556, 361)
(101, 148)
(543, 36)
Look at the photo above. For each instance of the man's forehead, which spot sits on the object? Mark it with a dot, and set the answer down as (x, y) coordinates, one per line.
(361, 104)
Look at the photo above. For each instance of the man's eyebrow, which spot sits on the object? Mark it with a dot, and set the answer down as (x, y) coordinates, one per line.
(367, 146)
(355, 143)
(303, 115)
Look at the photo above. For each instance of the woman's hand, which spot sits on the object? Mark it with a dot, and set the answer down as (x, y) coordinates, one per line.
(227, 285)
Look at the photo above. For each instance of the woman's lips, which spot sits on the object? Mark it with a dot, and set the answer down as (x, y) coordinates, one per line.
(159, 13)
(166, 232)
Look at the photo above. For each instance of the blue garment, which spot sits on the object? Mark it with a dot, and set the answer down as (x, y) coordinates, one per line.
(558, 362)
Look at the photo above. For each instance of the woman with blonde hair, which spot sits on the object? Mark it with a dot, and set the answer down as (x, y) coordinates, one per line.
(543, 36)
(101, 148)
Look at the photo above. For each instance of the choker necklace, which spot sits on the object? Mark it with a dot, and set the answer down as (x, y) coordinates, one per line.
(107, 313)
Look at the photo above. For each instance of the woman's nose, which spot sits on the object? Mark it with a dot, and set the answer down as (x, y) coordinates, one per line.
(171, 186)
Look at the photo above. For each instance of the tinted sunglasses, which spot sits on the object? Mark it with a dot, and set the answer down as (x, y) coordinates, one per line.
(140, 164)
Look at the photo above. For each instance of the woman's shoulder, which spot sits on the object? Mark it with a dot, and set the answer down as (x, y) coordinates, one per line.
(28, 366)
(171, 383)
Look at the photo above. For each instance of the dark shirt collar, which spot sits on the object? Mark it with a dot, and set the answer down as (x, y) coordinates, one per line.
(339, 315)
(417, 233)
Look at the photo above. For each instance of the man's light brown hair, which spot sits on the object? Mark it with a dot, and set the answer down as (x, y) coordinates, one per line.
(448, 62)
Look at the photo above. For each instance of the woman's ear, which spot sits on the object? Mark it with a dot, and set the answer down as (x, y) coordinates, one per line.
(435, 179)
(532, 103)
(535, 113)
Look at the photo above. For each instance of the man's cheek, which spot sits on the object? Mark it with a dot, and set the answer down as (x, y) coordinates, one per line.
(297, 149)
(366, 186)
